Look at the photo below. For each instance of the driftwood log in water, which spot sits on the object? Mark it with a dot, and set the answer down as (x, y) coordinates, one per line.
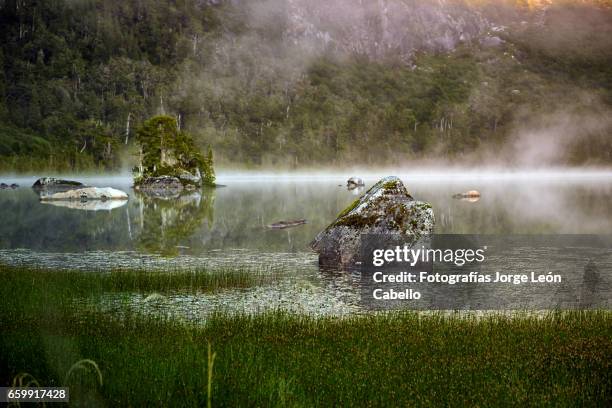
(286, 224)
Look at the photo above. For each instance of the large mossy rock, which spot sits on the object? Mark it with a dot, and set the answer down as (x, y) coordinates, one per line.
(386, 208)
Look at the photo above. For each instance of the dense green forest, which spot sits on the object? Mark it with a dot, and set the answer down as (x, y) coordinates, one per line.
(78, 77)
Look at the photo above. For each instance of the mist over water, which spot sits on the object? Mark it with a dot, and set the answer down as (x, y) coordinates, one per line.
(227, 227)
(569, 201)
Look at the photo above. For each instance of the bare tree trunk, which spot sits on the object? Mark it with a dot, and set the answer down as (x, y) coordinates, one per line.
(195, 44)
(127, 127)
(129, 223)
(140, 165)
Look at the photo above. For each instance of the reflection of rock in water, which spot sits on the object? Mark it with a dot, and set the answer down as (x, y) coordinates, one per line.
(357, 190)
(96, 205)
(87, 194)
(354, 182)
(167, 221)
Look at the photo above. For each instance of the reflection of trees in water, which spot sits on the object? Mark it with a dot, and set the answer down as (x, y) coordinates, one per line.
(165, 222)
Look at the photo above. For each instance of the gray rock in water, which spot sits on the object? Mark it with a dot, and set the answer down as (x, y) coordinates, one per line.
(3, 185)
(53, 183)
(86, 194)
(191, 179)
(386, 208)
(354, 182)
(14, 185)
(160, 186)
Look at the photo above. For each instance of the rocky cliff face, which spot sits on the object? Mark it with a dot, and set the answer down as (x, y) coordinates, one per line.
(377, 28)
(399, 28)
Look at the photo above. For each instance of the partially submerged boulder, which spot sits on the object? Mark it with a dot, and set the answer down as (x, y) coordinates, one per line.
(386, 208)
(86, 194)
(354, 182)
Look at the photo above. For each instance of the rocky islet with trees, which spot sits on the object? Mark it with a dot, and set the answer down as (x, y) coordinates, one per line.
(169, 160)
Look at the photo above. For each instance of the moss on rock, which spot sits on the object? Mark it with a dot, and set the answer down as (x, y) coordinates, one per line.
(350, 208)
(386, 208)
(166, 151)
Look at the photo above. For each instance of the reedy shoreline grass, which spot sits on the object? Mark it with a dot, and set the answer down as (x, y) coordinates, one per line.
(280, 359)
(140, 280)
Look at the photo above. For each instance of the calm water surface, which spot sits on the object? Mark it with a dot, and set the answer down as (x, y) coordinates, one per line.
(228, 227)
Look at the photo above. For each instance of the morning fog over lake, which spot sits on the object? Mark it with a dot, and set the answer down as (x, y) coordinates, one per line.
(306, 203)
(231, 226)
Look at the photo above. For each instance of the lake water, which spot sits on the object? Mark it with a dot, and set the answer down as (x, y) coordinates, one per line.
(228, 227)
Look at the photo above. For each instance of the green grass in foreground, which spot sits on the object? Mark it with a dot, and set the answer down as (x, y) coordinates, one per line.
(276, 359)
(78, 283)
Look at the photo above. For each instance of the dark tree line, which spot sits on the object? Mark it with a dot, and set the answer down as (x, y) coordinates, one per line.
(78, 77)
(82, 74)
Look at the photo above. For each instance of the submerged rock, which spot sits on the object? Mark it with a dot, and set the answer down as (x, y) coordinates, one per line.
(386, 208)
(87, 193)
(53, 183)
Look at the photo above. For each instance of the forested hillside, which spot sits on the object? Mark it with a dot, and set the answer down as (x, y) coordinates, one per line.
(305, 82)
